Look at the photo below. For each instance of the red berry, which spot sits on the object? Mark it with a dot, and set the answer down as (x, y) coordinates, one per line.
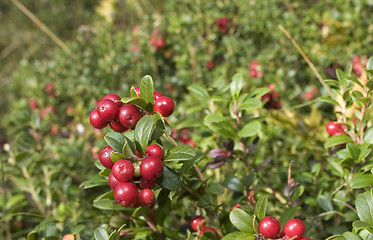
(115, 98)
(157, 95)
(107, 109)
(129, 115)
(113, 182)
(138, 154)
(197, 222)
(146, 183)
(146, 197)
(126, 194)
(104, 157)
(154, 150)
(334, 128)
(305, 238)
(269, 227)
(294, 227)
(210, 65)
(137, 90)
(151, 168)
(136, 204)
(207, 229)
(116, 126)
(123, 170)
(96, 121)
(164, 105)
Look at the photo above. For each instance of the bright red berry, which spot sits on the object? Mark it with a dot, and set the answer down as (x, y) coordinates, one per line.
(146, 183)
(207, 229)
(151, 168)
(146, 197)
(137, 90)
(129, 115)
(334, 128)
(294, 227)
(104, 157)
(269, 227)
(113, 182)
(157, 95)
(96, 121)
(115, 98)
(305, 238)
(154, 150)
(164, 105)
(126, 194)
(116, 126)
(123, 170)
(107, 109)
(197, 222)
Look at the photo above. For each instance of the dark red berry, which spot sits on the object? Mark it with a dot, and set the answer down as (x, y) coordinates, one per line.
(115, 98)
(107, 109)
(154, 150)
(197, 222)
(116, 126)
(146, 197)
(138, 154)
(164, 105)
(126, 194)
(96, 121)
(129, 115)
(294, 227)
(207, 229)
(157, 95)
(123, 170)
(104, 157)
(113, 182)
(269, 227)
(146, 183)
(136, 204)
(151, 168)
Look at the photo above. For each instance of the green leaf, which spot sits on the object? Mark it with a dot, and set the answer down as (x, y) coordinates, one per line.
(355, 80)
(133, 92)
(329, 100)
(242, 220)
(146, 89)
(215, 188)
(341, 77)
(139, 102)
(364, 207)
(297, 193)
(115, 156)
(181, 153)
(189, 164)
(369, 66)
(143, 131)
(215, 119)
(324, 203)
(209, 235)
(336, 140)
(159, 128)
(259, 92)
(231, 236)
(108, 204)
(351, 236)
(250, 104)
(336, 237)
(250, 179)
(239, 236)
(236, 85)
(362, 180)
(93, 182)
(233, 183)
(288, 214)
(115, 140)
(205, 201)
(170, 179)
(129, 149)
(368, 137)
(361, 225)
(200, 90)
(101, 234)
(250, 129)
(261, 207)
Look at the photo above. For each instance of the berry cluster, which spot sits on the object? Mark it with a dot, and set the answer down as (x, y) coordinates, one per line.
(255, 69)
(223, 24)
(198, 223)
(132, 180)
(334, 128)
(272, 98)
(294, 229)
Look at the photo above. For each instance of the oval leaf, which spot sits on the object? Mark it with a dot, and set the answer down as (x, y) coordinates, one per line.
(181, 153)
(250, 129)
(143, 131)
(170, 179)
(242, 220)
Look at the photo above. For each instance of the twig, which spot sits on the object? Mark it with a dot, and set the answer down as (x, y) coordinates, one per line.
(42, 26)
(306, 59)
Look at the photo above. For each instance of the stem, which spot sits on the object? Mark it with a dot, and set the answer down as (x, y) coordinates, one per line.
(313, 68)
(33, 191)
(170, 139)
(190, 191)
(4, 196)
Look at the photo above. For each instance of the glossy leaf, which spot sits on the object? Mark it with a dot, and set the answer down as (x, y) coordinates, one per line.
(236, 85)
(364, 207)
(115, 140)
(101, 234)
(233, 183)
(242, 220)
(181, 153)
(170, 179)
(250, 129)
(143, 131)
(147, 89)
(261, 207)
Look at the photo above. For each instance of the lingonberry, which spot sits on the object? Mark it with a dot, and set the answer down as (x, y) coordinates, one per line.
(113, 182)
(197, 222)
(137, 90)
(207, 229)
(115, 98)
(107, 109)
(104, 157)
(334, 128)
(151, 168)
(126, 194)
(136, 204)
(269, 227)
(164, 105)
(157, 95)
(96, 121)
(129, 115)
(146, 197)
(294, 227)
(116, 126)
(146, 183)
(305, 238)
(123, 170)
(138, 154)
(154, 150)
